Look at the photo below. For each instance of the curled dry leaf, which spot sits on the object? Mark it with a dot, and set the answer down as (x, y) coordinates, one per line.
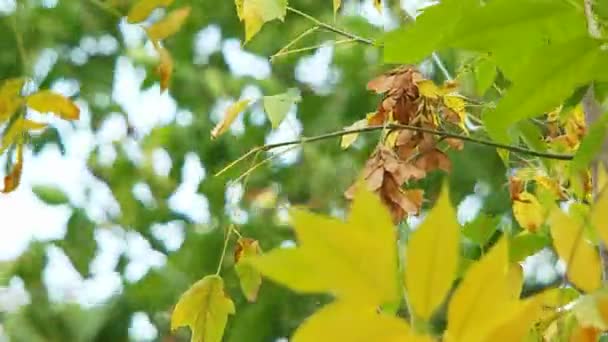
(11, 181)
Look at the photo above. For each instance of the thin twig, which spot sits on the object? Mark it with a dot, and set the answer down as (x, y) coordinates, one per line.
(332, 28)
(309, 48)
(294, 41)
(19, 42)
(226, 239)
(444, 134)
(106, 8)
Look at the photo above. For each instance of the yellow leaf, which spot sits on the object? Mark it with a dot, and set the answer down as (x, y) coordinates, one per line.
(337, 4)
(515, 277)
(528, 212)
(602, 176)
(47, 101)
(378, 5)
(30, 125)
(353, 260)
(11, 181)
(231, 114)
(457, 105)
(432, 258)
(255, 13)
(249, 277)
(10, 97)
(11, 134)
(429, 89)
(581, 258)
(481, 298)
(517, 321)
(169, 25)
(204, 307)
(143, 8)
(350, 322)
(599, 216)
(164, 68)
(349, 139)
(590, 309)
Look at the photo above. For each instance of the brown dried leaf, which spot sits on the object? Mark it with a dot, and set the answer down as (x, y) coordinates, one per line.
(433, 160)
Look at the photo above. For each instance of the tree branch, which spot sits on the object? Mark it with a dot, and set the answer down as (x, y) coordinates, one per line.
(443, 134)
(331, 28)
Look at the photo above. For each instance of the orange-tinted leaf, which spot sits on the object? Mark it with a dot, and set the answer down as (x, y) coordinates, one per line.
(143, 8)
(169, 25)
(47, 101)
(11, 181)
(528, 212)
(164, 68)
(249, 277)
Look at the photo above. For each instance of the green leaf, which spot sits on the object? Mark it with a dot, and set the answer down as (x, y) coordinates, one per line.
(79, 243)
(485, 73)
(481, 229)
(50, 194)
(204, 308)
(249, 277)
(533, 137)
(591, 145)
(544, 82)
(277, 106)
(525, 244)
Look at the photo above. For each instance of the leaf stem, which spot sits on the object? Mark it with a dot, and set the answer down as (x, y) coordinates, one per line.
(226, 239)
(332, 28)
(308, 48)
(294, 41)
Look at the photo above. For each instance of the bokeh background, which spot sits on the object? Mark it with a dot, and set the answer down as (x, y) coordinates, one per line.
(119, 212)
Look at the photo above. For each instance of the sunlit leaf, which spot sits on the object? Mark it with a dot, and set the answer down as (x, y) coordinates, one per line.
(590, 310)
(169, 25)
(337, 4)
(350, 322)
(231, 114)
(582, 259)
(249, 277)
(277, 106)
(353, 260)
(349, 139)
(255, 13)
(378, 5)
(428, 89)
(204, 308)
(528, 212)
(517, 326)
(482, 297)
(485, 73)
(11, 181)
(47, 101)
(143, 8)
(432, 258)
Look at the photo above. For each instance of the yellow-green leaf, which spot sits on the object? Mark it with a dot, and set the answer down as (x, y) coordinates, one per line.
(11, 134)
(378, 5)
(517, 321)
(204, 308)
(47, 101)
(249, 277)
(10, 97)
(353, 260)
(432, 258)
(143, 8)
(11, 181)
(277, 106)
(231, 114)
(582, 259)
(337, 4)
(590, 310)
(350, 322)
(169, 25)
(481, 298)
(255, 13)
(349, 139)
